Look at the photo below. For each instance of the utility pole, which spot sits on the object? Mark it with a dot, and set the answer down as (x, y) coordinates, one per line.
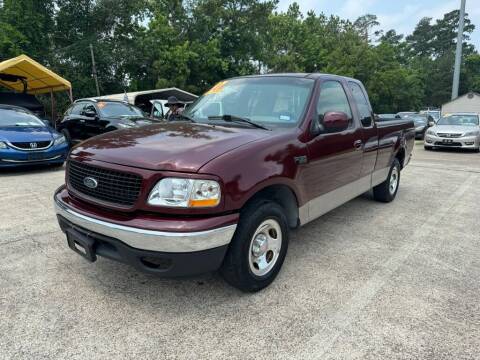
(94, 70)
(458, 53)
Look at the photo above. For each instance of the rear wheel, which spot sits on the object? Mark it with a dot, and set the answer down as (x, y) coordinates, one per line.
(258, 248)
(386, 191)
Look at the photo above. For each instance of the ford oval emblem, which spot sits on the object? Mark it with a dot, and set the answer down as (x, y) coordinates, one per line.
(90, 182)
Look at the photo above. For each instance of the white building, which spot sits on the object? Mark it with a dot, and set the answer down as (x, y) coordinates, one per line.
(466, 103)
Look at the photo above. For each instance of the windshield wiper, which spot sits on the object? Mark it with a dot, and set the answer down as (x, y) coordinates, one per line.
(232, 118)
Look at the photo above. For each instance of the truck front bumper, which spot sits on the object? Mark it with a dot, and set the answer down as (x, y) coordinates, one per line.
(161, 252)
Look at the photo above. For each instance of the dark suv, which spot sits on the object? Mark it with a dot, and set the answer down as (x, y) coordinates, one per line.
(89, 117)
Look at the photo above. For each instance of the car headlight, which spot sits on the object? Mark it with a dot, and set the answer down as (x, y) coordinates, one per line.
(471, 133)
(185, 193)
(3, 145)
(431, 132)
(59, 140)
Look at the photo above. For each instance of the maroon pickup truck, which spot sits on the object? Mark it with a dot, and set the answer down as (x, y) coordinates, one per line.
(251, 159)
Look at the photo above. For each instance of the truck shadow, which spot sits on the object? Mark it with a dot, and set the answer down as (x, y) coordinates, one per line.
(207, 292)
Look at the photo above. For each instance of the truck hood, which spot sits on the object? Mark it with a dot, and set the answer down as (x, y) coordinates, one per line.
(181, 147)
(456, 129)
(25, 133)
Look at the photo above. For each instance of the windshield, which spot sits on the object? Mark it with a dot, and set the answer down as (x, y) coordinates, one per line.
(462, 120)
(19, 117)
(270, 101)
(109, 109)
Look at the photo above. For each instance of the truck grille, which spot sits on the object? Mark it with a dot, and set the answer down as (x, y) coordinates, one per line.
(33, 145)
(112, 186)
(447, 135)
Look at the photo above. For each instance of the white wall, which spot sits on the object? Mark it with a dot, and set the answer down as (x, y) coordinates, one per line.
(463, 104)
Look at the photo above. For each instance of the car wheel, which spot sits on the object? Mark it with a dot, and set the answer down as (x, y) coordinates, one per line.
(386, 191)
(427, 148)
(258, 248)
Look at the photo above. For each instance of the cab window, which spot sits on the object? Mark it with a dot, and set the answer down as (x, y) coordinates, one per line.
(362, 104)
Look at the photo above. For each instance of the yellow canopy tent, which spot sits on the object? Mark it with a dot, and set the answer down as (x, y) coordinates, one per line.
(23, 74)
(39, 79)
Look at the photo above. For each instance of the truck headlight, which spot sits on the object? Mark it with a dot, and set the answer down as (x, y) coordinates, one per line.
(185, 193)
(471, 133)
(431, 132)
(59, 140)
(3, 145)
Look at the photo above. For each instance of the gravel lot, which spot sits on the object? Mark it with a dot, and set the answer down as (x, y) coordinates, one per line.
(367, 280)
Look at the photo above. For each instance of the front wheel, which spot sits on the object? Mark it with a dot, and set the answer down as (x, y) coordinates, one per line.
(258, 248)
(387, 190)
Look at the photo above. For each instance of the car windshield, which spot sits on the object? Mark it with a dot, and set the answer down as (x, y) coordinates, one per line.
(269, 101)
(109, 109)
(19, 117)
(462, 120)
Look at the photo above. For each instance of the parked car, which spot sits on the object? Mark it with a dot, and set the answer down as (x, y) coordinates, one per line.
(405, 114)
(434, 113)
(458, 130)
(422, 123)
(89, 117)
(255, 157)
(25, 139)
(385, 117)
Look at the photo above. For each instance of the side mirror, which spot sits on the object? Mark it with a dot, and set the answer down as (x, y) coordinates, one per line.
(431, 123)
(334, 121)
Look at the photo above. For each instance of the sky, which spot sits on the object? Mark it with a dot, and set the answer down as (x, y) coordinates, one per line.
(402, 16)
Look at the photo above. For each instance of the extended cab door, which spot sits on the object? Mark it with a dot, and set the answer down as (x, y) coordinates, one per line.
(363, 111)
(332, 175)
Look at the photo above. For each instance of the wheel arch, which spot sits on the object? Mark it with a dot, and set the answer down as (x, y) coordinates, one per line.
(281, 194)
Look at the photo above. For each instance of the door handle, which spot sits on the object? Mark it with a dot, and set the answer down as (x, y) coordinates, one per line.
(358, 144)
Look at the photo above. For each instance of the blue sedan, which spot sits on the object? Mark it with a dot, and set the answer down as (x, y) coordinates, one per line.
(27, 140)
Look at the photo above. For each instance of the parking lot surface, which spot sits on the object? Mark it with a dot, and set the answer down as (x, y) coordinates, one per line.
(368, 280)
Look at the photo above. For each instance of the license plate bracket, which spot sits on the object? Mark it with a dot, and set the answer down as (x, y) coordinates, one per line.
(81, 244)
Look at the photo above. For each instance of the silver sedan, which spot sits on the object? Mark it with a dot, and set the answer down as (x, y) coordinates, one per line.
(457, 130)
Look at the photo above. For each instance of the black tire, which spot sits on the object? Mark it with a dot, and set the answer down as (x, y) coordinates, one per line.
(66, 133)
(427, 148)
(383, 192)
(236, 268)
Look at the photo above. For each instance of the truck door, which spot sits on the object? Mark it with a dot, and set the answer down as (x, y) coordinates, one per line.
(364, 113)
(332, 174)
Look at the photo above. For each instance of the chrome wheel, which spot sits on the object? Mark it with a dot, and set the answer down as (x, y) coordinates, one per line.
(393, 181)
(265, 247)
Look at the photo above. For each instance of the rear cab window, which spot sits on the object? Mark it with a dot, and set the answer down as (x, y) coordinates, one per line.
(363, 106)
